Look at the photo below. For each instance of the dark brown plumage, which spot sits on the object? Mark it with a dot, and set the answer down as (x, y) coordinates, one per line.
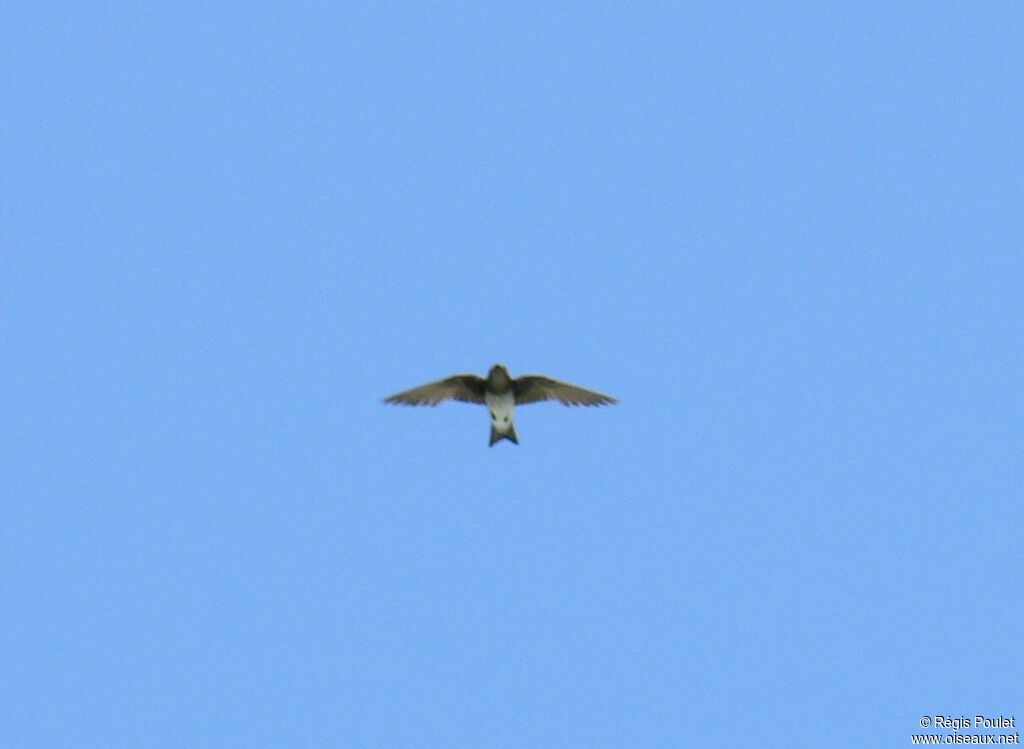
(534, 388)
(464, 387)
(501, 394)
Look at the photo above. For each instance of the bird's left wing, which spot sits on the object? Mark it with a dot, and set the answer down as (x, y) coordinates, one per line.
(463, 387)
(534, 388)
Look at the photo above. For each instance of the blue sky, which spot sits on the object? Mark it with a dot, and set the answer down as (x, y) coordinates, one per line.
(787, 236)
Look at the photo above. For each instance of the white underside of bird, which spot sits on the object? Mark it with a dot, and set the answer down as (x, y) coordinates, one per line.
(502, 408)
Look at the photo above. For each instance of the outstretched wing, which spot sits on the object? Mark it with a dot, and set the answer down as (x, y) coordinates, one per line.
(534, 388)
(464, 387)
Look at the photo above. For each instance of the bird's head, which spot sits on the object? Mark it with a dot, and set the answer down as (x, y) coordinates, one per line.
(498, 374)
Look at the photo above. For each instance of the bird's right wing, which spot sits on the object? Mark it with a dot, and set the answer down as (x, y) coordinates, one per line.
(463, 387)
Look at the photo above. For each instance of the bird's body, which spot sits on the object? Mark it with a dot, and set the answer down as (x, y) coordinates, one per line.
(501, 394)
(502, 407)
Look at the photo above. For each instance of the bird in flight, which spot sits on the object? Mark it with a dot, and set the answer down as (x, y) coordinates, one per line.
(501, 394)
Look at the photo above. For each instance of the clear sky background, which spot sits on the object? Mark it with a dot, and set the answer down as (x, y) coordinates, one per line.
(786, 236)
